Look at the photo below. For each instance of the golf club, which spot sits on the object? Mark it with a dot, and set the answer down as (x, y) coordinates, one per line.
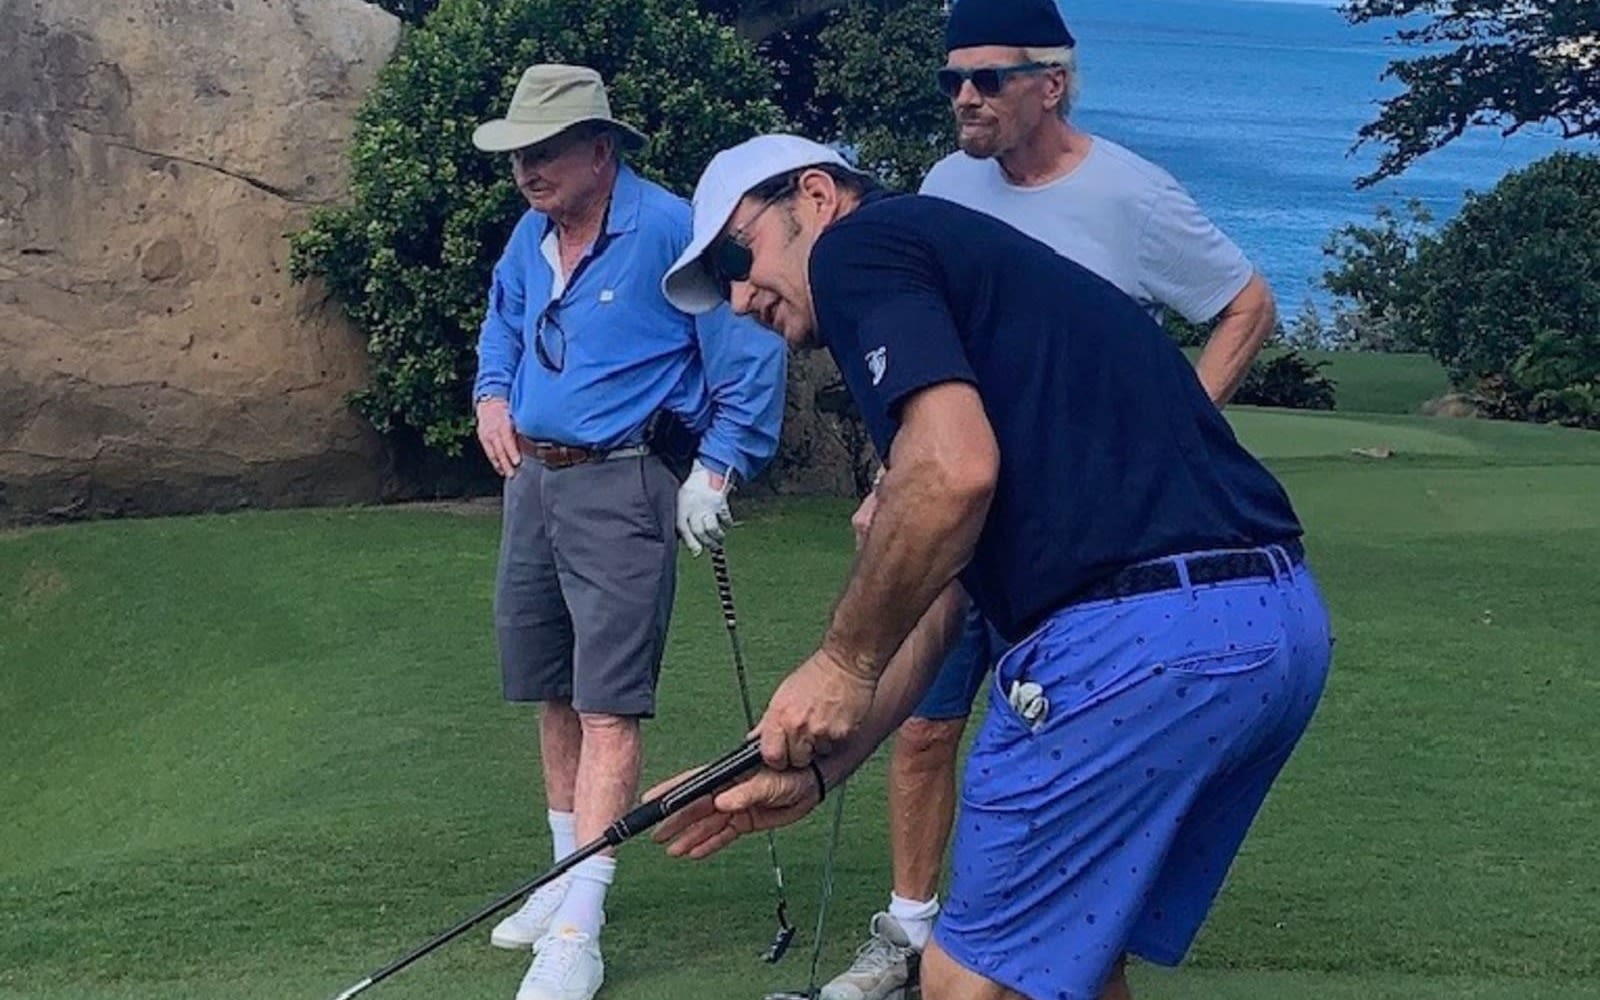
(719, 565)
(644, 816)
(813, 990)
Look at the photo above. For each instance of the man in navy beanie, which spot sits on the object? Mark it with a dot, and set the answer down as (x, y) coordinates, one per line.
(1006, 22)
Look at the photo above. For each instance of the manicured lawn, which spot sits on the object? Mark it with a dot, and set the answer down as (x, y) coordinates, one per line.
(259, 755)
(1368, 382)
(1382, 383)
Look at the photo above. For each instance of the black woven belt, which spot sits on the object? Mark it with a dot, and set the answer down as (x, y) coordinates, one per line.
(1215, 567)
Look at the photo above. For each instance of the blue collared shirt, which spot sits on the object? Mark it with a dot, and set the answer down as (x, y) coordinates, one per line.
(623, 351)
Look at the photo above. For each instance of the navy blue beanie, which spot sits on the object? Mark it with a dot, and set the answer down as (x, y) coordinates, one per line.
(1019, 23)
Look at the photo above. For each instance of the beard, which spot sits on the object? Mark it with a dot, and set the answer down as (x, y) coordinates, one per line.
(978, 137)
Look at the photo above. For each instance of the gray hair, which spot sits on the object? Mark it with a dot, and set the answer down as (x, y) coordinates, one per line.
(614, 136)
(1065, 56)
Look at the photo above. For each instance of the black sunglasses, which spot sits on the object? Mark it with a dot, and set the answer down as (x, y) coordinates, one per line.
(989, 80)
(728, 258)
(552, 361)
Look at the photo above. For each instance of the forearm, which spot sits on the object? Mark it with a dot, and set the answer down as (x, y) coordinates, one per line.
(746, 373)
(497, 366)
(500, 337)
(1238, 337)
(746, 420)
(906, 678)
(930, 513)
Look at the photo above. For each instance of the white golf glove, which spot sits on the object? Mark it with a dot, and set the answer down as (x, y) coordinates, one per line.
(703, 514)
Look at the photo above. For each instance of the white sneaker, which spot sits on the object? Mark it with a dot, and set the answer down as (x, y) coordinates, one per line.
(567, 967)
(524, 928)
(884, 968)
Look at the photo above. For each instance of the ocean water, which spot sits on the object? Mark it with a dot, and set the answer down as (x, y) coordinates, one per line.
(1253, 105)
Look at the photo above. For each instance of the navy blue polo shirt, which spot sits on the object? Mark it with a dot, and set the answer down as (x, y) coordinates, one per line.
(1110, 450)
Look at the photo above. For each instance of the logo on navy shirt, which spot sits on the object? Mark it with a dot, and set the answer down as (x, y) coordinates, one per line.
(877, 361)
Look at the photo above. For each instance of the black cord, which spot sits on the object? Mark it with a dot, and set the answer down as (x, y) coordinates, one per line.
(822, 784)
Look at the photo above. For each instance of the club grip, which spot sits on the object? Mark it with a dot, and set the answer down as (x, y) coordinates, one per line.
(719, 566)
(716, 774)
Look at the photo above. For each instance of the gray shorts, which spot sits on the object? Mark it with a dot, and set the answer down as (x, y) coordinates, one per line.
(588, 563)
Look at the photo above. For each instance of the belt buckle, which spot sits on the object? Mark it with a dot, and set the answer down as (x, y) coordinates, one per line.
(572, 455)
(552, 455)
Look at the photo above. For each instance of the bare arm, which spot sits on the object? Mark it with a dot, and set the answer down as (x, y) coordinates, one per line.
(931, 507)
(769, 798)
(1241, 331)
(903, 683)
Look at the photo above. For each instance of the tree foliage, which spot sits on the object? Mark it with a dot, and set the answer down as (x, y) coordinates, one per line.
(1371, 264)
(860, 75)
(410, 257)
(874, 86)
(1507, 295)
(1504, 63)
(409, 11)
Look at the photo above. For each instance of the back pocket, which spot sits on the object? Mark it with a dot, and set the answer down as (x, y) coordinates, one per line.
(1231, 661)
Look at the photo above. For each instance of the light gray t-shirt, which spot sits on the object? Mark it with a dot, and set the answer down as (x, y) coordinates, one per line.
(1120, 216)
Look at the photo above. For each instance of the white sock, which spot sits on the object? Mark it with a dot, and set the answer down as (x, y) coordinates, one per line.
(564, 833)
(585, 902)
(915, 917)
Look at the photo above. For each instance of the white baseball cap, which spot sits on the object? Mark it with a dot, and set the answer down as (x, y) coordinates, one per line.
(730, 176)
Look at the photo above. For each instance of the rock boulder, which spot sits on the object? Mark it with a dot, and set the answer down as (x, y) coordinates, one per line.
(154, 154)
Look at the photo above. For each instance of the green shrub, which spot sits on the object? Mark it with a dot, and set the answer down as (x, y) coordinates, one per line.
(874, 79)
(1507, 295)
(1290, 380)
(1369, 277)
(410, 11)
(410, 257)
(1185, 333)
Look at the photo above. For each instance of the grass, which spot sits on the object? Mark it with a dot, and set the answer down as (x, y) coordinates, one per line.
(1370, 382)
(259, 755)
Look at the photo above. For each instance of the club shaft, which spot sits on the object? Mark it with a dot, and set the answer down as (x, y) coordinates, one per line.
(642, 818)
(719, 566)
(827, 890)
(561, 868)
(352, 991)
(730, 618)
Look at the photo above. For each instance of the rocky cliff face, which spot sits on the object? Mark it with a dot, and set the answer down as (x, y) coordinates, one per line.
(153, 155)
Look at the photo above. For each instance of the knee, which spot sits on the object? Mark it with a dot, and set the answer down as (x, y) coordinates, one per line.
(928, 744)
(608, 728)
(943, 979)
(557, 708)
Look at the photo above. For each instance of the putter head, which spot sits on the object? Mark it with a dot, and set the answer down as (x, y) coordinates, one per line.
(792, 995)
(780, 943)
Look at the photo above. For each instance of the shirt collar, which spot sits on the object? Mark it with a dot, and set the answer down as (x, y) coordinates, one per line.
(622, 215)
(622, 208)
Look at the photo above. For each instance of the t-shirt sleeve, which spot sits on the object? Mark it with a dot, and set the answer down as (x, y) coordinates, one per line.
(878, 287)
(938, 182)
(1189, 264)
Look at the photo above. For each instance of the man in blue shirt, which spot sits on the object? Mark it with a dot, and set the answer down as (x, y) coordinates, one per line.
(1051, 455)
(580, 356)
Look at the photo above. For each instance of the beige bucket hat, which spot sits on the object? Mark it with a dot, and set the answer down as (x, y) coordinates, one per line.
(550, 99)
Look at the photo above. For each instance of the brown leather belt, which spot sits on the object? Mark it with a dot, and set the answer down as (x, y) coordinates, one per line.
(552, 455)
